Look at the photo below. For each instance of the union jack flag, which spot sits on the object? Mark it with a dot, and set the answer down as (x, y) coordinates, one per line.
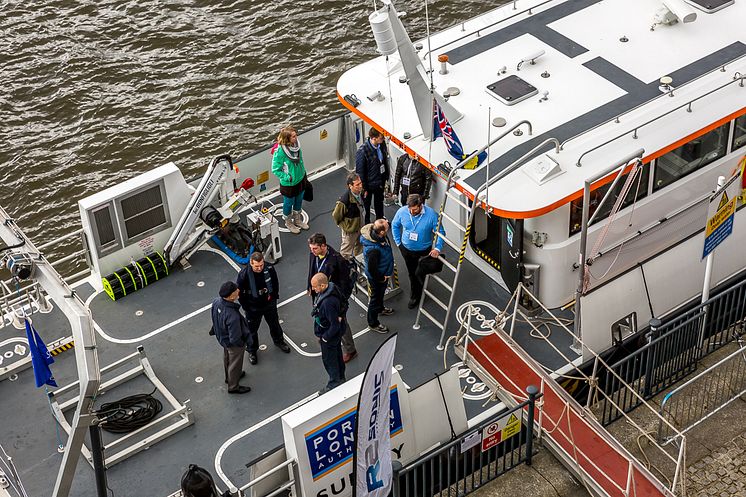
(441, 127)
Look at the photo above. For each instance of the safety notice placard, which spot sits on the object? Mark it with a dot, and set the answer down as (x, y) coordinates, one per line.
(500, 430)
(720, 215)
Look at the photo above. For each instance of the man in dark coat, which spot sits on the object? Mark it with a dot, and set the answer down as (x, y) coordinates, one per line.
(259, 296)
(410, 177)
(324, 259)
(372, 165)
(379, 268)
(232, 332)
(328, 326)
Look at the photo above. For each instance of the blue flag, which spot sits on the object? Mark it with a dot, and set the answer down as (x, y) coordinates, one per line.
(441, 127)
(40, 357)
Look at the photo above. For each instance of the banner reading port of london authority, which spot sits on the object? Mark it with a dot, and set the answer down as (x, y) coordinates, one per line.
(372, 438)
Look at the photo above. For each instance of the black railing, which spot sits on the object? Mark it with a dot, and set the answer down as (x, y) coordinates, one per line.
(673, 350)
(470, 461)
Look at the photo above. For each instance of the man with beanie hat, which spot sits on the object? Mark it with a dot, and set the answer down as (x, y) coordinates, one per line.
(232, 331)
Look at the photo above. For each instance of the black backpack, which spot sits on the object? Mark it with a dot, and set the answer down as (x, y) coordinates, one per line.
(348, 276)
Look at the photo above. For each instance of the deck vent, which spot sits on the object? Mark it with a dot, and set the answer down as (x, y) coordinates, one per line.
(511, 90)
(542, 169)
(143, 212)
(710, 6)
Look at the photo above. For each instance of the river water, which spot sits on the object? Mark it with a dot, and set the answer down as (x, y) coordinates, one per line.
(93, 92)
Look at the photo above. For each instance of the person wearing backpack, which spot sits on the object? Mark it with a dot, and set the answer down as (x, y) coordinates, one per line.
(324, 259)
(328, 326)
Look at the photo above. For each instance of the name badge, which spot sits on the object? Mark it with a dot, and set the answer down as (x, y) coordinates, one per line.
(413, 236)
(405, 181)
(383, 169)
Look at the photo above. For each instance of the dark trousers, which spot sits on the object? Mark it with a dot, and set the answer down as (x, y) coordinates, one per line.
(254, 317)
(375, 306)
(411, 259)
(376, 196)
(233, 364)
(331, 356)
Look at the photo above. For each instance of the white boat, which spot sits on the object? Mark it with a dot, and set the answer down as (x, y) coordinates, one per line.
(566, 101)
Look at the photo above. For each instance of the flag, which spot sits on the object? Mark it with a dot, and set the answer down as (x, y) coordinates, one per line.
(441, 127)
(373, 473)
(40, 357)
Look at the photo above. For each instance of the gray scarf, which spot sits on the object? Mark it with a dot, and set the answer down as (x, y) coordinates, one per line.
(293, 152)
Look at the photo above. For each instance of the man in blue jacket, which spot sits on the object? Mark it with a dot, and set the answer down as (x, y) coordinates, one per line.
(413, 228)
(232, 332)
(328, 326)
(372, 165)
(379, 267)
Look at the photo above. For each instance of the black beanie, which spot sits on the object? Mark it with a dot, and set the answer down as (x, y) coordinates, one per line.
(227, 288)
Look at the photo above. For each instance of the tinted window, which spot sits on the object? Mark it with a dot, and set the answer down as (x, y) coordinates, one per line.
(638, 190)
(690, 157)
(739, 133)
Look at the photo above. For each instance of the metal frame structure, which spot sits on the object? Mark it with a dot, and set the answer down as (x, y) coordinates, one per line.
(130, 444)
(86, 354)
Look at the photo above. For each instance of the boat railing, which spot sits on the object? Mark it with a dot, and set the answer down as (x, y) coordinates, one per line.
(477, 32)
(706, 394)
(737, 77)
(560, 422)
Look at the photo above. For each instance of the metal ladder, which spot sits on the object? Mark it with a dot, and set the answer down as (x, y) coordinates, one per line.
(478, 200)
(465, 229)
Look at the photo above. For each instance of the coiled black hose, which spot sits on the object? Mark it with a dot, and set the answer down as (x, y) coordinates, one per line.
(130, 413)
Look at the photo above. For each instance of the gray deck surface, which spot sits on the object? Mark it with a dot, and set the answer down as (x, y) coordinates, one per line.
(182, 352)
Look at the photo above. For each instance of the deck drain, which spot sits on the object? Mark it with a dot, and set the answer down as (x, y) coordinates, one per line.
(398, 367)
(262, 347)
(13, 377)
(8, 354)
(199, 379)
(19, 349)
(200, 284)
(139, 313)
(304, 345)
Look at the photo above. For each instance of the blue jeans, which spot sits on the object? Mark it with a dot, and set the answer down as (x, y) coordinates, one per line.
(292, 204)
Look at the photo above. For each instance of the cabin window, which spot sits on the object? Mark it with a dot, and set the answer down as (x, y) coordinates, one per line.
(638, 190)
(739, 133)
(690, 157)
(144, 212)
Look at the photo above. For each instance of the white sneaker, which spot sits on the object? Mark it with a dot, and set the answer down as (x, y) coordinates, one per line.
(298, 220)
(290, 225)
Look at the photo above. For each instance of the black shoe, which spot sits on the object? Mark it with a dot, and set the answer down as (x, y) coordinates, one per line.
(243, 373)
(379, 328)
(412, 303)
(241, 389)
(387, 311)
(284, 347)
(252, 358)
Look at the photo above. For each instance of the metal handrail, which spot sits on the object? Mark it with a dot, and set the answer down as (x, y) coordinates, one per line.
(486, 27)
(616, 119)
(59, 239)
(740, 78)
(267, 474)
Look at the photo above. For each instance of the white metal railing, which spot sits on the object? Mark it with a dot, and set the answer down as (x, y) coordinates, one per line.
(707, 393)
(549, 425)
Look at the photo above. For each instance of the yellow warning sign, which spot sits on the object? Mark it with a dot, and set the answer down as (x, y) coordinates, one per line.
(262, 177)
(725, 209)
(512, 428)
(723, 200)
(324, 134)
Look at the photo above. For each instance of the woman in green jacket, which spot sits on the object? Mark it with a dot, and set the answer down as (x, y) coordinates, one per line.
(287, 165)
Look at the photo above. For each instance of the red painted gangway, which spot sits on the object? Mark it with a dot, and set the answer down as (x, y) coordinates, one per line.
(598, 454)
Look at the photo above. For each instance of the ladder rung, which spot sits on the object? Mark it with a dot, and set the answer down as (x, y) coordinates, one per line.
(436, 300)
(429, 316)
(442, 282)
(446, 263)
(454, 222)
(458, 200)
(448, 242)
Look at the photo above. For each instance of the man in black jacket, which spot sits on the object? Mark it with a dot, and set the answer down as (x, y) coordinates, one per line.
(324, 259)
(411, 176)
(232, 332)
(372, 165)
(328, 327)
(259, 296)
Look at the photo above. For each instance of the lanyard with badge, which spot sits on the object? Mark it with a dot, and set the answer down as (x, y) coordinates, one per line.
(406, 180)
(412, 234)
(320, 265)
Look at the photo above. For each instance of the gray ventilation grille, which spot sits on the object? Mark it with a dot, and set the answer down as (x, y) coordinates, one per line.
(104, 227)
(143, 212)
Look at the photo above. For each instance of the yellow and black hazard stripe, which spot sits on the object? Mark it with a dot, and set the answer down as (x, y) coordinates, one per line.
(61, 348)
(486, 257)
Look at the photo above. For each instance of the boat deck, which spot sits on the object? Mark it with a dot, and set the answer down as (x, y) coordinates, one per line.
(171, 319)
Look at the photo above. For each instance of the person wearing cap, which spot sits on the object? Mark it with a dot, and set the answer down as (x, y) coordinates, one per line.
(413, 229)
(232, 333)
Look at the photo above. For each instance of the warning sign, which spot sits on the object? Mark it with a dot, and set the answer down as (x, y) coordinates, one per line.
(500, 430)
(720, 215)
